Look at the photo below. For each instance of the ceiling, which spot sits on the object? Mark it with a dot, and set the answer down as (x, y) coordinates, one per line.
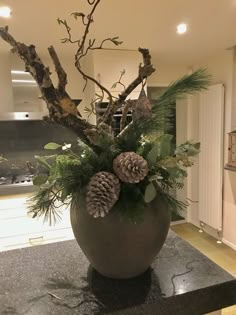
(146, 23)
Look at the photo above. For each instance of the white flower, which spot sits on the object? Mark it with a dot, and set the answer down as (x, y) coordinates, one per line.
(66, 146)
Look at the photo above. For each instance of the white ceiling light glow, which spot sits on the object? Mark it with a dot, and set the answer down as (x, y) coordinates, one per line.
(5, 12)
(182, 28)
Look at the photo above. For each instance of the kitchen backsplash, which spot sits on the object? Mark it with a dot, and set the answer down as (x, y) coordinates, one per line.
(20, 141)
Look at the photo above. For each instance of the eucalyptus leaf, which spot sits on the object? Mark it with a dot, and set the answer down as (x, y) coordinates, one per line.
(52, 146)
(40, 180)
(41, 160)
(197, 145)
(173, 171)
(193, 149)
(165, 145)
(150, 193)
(153, 154)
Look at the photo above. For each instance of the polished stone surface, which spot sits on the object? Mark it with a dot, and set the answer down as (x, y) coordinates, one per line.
(56, 279)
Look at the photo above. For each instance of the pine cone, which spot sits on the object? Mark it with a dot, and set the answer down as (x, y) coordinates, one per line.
(102, 193)
(142, 108)
(130, 167)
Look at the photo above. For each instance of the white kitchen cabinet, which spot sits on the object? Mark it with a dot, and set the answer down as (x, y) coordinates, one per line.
(18, 229)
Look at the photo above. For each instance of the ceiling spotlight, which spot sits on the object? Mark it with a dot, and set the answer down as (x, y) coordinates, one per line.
(182, 28)
(5, 12)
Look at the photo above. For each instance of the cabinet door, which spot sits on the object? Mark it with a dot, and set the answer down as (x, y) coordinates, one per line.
(18, 230)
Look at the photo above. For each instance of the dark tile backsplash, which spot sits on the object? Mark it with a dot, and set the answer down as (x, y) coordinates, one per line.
(20, 141)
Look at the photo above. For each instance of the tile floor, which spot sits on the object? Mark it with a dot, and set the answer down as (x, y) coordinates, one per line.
(221, 254)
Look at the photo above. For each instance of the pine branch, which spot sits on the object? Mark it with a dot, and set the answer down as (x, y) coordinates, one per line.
(162, 110)
(188, 84)
(45, 203)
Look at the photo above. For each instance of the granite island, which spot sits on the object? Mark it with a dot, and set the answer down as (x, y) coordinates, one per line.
(57, 279)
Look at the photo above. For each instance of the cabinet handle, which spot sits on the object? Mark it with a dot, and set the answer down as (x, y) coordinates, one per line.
(36, 240)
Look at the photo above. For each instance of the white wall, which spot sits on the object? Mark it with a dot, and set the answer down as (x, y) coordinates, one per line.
(166, 73)
(6, 93)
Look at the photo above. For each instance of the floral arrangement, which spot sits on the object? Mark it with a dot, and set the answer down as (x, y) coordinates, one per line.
(129, 169)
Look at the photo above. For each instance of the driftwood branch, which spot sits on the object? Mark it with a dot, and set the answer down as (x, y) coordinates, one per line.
(61, 74)
(60, 106)
(145, 71)
(127, 107)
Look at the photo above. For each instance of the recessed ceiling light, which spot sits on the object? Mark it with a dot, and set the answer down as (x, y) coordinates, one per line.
(5, 12)
(182, 28)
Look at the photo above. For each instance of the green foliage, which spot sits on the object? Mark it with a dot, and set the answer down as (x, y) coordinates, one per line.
(165, 145)
(40, 179)
(45, 202)
(150, 193)
(188, 149)
(42, 160)
(68, 172)
(162, 110)
(153, 154)
(52, 146)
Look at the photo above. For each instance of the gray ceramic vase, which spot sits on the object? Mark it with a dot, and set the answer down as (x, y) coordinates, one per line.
(118, 249)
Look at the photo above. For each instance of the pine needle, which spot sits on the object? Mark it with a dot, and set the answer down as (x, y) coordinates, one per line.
(164, 106)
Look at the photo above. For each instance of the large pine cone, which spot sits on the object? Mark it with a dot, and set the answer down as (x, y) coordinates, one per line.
(102, 193)
(130, 167)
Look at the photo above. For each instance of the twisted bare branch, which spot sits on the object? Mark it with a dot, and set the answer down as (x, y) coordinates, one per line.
(145, 71)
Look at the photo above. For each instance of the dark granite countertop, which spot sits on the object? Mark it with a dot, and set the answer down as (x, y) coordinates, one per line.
(56, 279)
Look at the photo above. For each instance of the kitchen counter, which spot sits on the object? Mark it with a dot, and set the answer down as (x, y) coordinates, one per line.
(57, 279)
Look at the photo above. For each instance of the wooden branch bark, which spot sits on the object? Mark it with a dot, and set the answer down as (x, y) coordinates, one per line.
(59, 104)
(145, 71)
(61, 74)
(128, 105)
(65, 101)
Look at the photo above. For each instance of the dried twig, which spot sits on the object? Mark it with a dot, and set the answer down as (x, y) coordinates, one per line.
(84, 47)
(145, 71)
(122, 73)
(54, 296)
